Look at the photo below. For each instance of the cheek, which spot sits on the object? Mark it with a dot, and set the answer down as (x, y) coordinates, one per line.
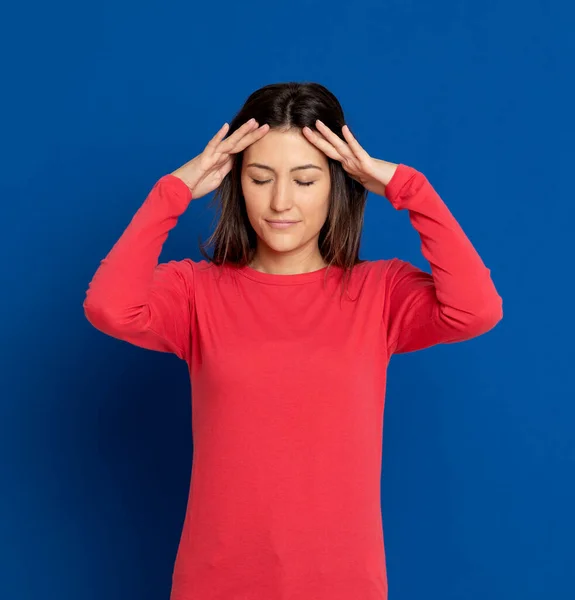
(256, 210)
(317, 210)
(254, 206)
(254, 200)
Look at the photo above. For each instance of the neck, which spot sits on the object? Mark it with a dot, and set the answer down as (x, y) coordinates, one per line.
(286, 263)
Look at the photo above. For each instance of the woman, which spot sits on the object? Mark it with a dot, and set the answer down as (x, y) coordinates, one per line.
(287, 335)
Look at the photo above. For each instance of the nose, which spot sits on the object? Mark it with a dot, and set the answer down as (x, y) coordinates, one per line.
(282, 198)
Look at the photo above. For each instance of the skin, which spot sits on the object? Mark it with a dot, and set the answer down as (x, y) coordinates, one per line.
(282, 196)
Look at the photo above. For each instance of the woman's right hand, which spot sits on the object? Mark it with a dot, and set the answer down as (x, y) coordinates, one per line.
(204, 173)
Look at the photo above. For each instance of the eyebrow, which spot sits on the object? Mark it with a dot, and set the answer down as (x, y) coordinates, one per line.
(308, 166)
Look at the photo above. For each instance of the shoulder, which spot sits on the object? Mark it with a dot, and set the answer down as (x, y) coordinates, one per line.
(188, 265)
(383, 275)
(204, 273)
(378, 269)
(366, 277)
(187, 270)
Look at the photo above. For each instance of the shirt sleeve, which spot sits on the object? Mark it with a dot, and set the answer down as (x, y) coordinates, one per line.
(133, 298)
(458, 300)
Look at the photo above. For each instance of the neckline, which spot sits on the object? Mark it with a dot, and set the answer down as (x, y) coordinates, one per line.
(279, 279)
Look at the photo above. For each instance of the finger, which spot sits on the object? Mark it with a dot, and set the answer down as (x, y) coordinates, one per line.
(230, 142)
(335, 140)
(322, 144)
(250, 138)
(212, 144)
(353, 143)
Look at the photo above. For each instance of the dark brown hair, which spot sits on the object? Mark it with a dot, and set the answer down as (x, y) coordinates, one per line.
(285, 106)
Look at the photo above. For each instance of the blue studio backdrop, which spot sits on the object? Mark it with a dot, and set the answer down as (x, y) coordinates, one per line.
(99, 102)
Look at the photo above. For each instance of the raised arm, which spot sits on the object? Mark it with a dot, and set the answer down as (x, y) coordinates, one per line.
(133, 298)
(458, 300)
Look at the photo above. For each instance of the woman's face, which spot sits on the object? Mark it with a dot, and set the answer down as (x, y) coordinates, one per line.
(288, 193)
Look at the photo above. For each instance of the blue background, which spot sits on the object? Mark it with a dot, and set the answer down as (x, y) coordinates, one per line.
(99, 101)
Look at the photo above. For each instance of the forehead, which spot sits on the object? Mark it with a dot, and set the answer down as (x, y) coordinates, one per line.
(283, 147)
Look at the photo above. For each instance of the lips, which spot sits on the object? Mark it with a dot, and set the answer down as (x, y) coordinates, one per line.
(280, 224)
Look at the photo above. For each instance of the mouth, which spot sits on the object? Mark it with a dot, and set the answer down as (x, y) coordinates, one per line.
(280, 224)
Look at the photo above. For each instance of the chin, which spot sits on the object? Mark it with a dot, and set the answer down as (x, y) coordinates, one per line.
(286, 245)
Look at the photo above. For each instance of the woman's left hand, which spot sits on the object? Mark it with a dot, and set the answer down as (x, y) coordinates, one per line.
(372, 173)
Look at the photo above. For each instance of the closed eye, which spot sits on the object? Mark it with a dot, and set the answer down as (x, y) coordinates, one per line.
(305, 183)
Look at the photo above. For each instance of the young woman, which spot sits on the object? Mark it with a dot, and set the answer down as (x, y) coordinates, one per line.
(287, 335)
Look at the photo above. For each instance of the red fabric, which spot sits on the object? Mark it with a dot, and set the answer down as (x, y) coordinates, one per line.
(288, 383)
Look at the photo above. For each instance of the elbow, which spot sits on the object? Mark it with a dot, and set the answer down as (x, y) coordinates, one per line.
(98, 316)
(490, 314)
(110, 321)
(472, 322)
(94, 307)
(108, 311)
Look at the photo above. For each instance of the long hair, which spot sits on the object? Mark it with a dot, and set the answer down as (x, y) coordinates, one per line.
(284, 106)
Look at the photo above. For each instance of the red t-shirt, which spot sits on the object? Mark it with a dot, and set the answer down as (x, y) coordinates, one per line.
(288, 383)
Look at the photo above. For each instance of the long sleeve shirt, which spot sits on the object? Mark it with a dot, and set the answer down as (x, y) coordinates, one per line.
(288, 383)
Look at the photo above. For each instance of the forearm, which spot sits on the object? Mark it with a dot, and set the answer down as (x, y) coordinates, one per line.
(120, 285)
(465, 293)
